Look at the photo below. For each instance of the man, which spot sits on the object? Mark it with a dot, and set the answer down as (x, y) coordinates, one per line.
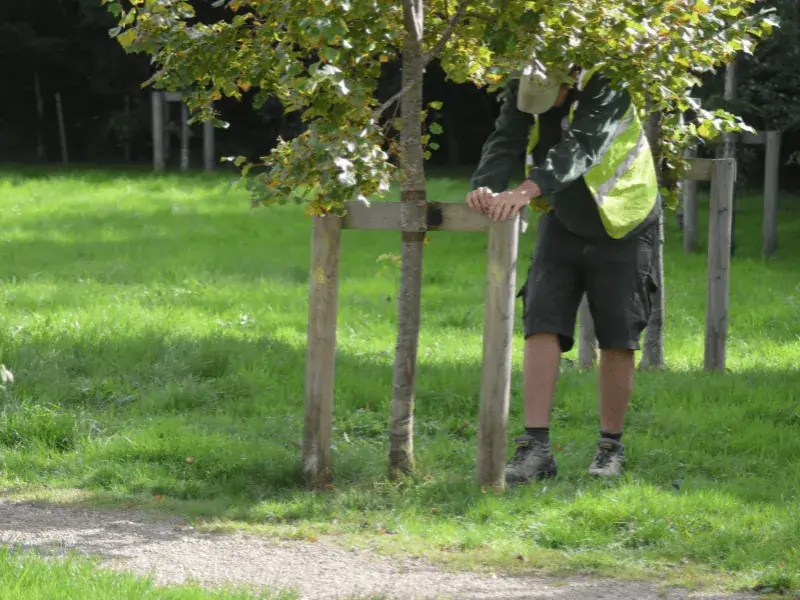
(590, 171)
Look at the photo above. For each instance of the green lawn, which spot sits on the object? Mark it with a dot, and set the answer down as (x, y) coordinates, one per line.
(26, 576)
(155, 327)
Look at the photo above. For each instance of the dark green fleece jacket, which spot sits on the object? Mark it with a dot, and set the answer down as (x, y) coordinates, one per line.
(564, 153)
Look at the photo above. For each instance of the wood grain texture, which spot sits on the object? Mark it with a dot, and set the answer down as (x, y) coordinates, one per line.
(719, 259)
(690, 208)
(321, 351)
(386, 216)
(772, 166)
(498, 334)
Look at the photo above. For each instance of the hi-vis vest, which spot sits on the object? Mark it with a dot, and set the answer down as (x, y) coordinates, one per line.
(623, 183)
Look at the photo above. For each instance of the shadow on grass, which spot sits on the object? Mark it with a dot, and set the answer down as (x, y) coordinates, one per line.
(218, 421)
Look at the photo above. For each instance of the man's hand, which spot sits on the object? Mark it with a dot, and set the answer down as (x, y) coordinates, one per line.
(481, 199)
(507, 204)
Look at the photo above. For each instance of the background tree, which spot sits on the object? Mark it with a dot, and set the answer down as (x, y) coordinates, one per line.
(322, 59)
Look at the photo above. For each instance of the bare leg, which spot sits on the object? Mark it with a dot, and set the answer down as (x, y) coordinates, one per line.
(533, 458)
(616, 385)
(541, 360)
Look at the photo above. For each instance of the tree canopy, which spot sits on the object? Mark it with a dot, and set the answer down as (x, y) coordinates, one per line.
(324, 58)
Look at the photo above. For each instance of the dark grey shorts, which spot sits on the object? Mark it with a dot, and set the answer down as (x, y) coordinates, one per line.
(616, 276)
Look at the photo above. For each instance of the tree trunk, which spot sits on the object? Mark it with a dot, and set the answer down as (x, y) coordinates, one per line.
(653, 351)
(413, 222)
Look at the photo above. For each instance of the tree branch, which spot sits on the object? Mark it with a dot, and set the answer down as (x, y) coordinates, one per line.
(433, 54)
(461, 11)
(386, 105)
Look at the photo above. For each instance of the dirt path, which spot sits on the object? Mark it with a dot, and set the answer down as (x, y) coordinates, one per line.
(175, 553)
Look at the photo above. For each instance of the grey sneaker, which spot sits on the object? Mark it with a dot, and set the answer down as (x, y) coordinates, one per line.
(531, 460)
(609, 459)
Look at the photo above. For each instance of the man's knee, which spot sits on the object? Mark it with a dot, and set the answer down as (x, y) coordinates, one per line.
(541, 340)
(616, 354)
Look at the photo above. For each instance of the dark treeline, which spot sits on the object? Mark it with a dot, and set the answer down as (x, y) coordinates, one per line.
(50, 47)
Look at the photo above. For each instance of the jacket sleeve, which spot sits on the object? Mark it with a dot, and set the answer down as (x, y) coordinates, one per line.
(598, 115)
(504, 148)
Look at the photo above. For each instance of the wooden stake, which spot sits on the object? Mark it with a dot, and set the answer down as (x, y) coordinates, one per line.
(653, 349)
(158, 131)
(772, 167)
(719, 259)
(62, 131)
(498, 332)
(587, 341)
(689, 208)
(127, 146)
(165, 106)
(184, 137)
(321, 352)
(208, 146)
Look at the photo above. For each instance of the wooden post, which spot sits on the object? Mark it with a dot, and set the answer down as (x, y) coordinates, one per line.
(62, 130)
(498, 333)
(587, 341)
(719, 259)
(127, 146)
(772, 169)
(689, 208)
(41, 153)
(321, 351)
(157, 99)
(653, 349)
(166, 123)
(184, 137)
(208, 146)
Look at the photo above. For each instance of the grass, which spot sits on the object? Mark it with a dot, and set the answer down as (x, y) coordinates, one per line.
(155, 327)
(27, 576)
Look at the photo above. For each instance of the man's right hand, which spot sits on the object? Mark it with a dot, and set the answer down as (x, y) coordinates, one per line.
(480, 200)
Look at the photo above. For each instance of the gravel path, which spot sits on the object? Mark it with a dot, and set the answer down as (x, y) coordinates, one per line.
(175, 553)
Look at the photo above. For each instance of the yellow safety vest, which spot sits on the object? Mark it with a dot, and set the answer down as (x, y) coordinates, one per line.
(623, 183)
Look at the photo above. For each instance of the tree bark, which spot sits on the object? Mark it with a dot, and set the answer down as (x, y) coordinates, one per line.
(413, 222)
(653, 351)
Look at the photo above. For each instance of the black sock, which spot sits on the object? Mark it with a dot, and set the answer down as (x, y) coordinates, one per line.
(611, 436)
(540, 434)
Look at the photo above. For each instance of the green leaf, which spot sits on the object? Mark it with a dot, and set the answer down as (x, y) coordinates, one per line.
(127, 37)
